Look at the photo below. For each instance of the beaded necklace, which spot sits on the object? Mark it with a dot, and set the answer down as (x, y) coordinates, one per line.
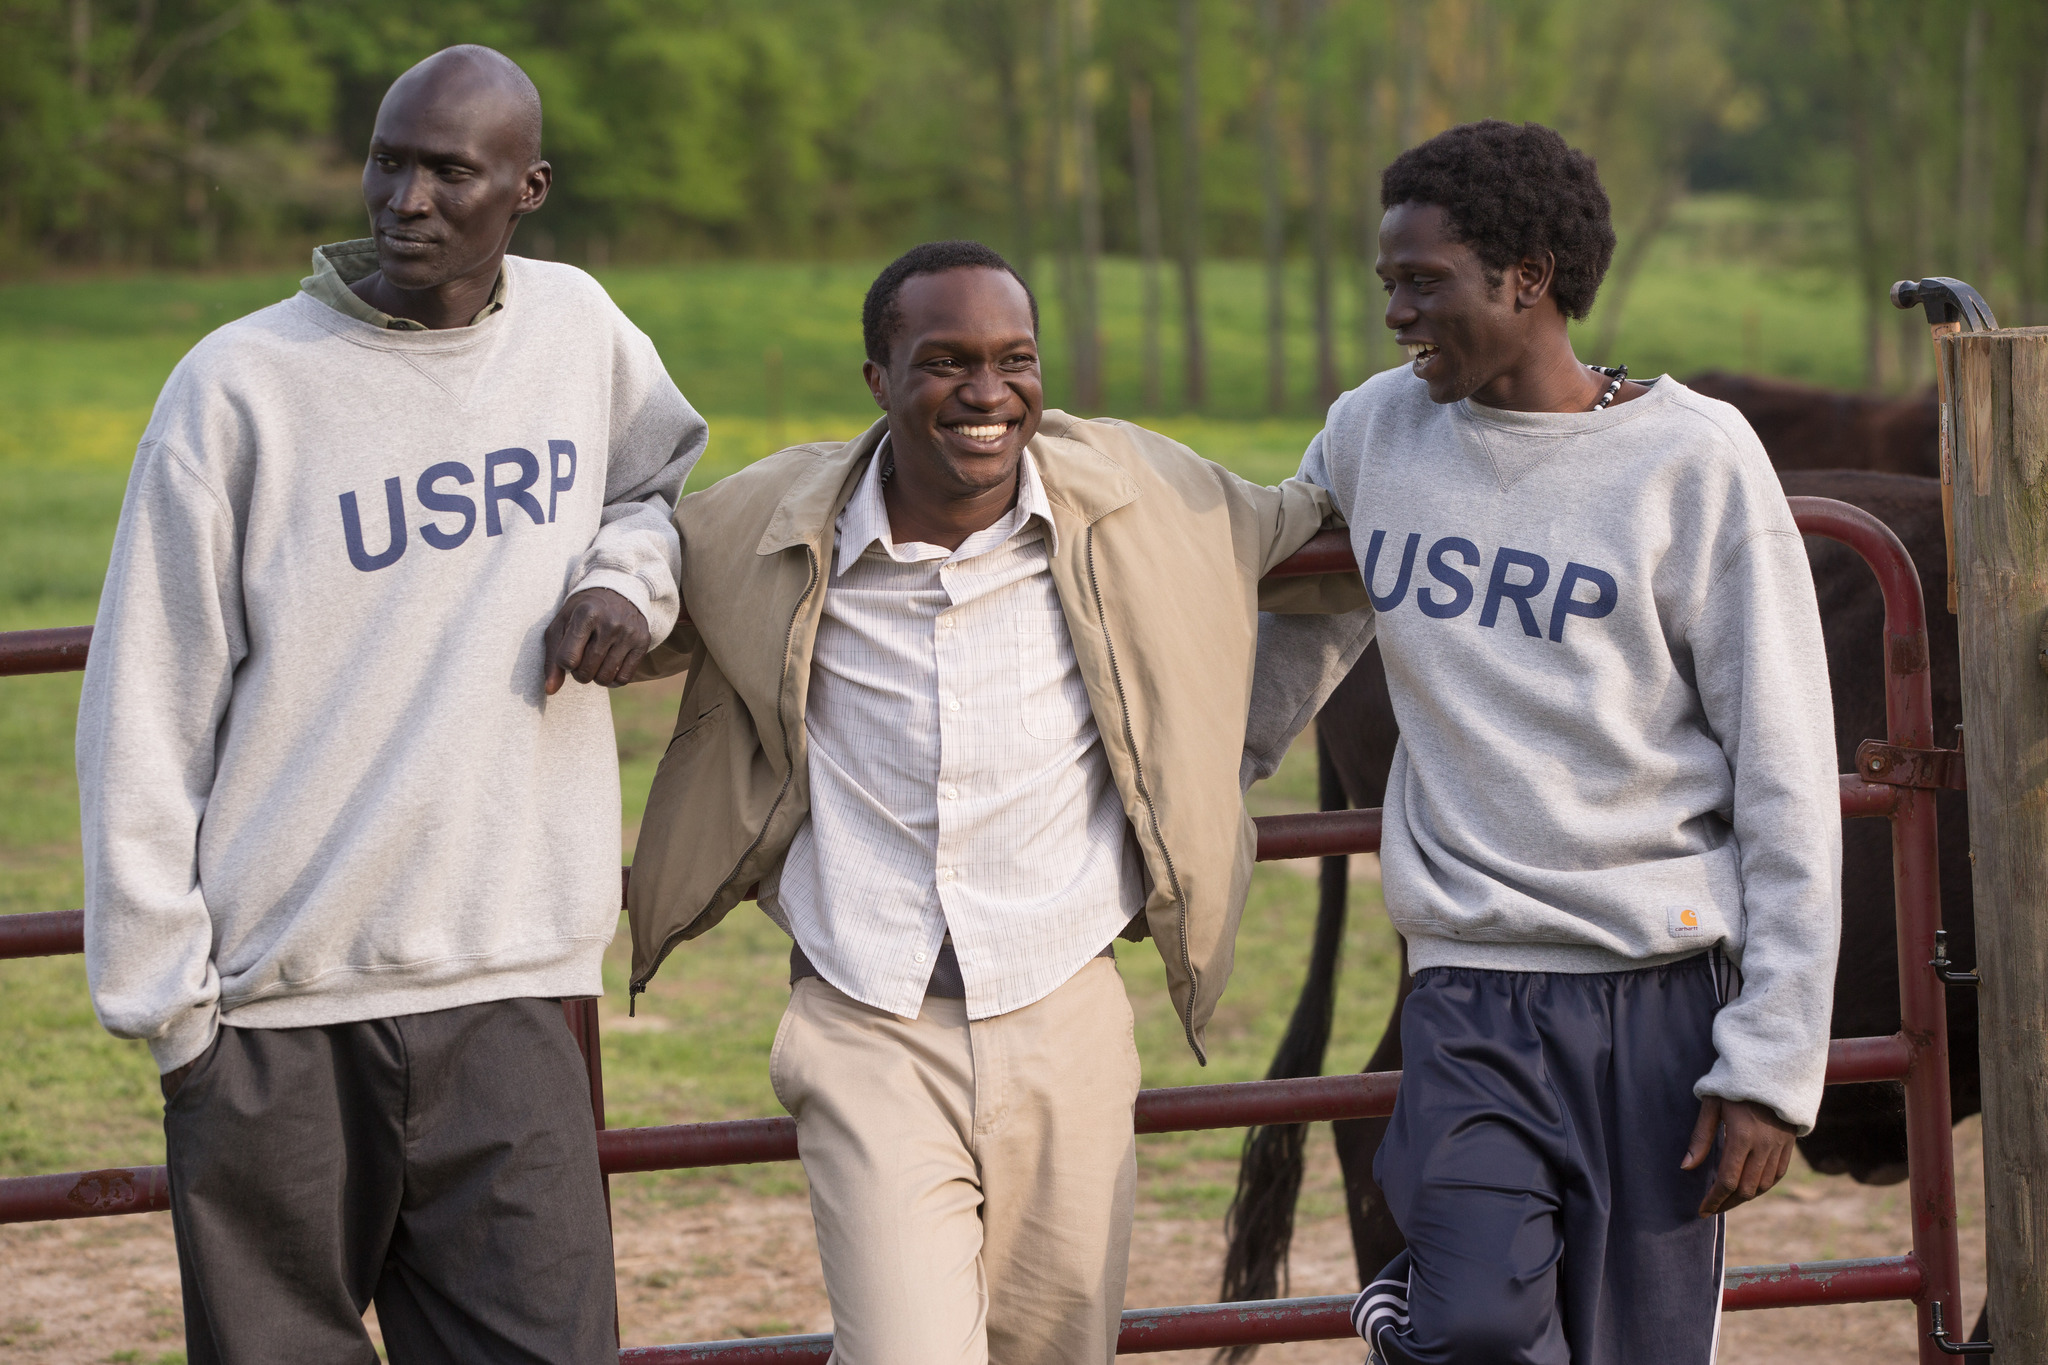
(1619, 374)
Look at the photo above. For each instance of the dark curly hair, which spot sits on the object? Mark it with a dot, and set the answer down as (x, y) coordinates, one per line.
(1511, 191)
(880, 317)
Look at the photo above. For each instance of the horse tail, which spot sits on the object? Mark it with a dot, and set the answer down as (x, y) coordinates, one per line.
(1259, 1225)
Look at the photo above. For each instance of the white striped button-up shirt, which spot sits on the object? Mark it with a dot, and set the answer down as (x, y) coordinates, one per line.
(957, 779)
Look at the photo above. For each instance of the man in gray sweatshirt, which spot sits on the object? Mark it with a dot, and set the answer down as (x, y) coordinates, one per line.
(1612, 834)
(349, 838)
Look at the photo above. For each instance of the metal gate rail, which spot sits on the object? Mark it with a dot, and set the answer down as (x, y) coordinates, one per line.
(1917, 1055)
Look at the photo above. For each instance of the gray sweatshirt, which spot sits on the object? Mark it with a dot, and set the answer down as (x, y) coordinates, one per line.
(318, 779)
(1617, 741)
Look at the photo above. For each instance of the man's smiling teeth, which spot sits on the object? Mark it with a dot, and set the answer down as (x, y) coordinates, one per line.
(983, 433)
(1419, 350)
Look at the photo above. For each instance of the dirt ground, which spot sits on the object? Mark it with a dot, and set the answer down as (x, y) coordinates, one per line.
(106, 1290)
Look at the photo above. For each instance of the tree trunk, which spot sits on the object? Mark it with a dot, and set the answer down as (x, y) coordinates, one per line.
(1669, 191)
(1145, 188)
(1001, 22)
(1999, 433)
(1973, 178)
(1194, 355)
(1411, 39)
(1274, 234)
(2034, 227)
(1088, 204)
(1327, 386)
(1058, 199)
(1869, 262)
(81, 46)
(1365, 209)
(1911, 172)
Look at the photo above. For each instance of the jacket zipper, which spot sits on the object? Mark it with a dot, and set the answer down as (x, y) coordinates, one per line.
(1187, 961)
(788, 776)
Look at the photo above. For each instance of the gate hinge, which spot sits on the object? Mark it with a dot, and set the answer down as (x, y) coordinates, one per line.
(1894, 765)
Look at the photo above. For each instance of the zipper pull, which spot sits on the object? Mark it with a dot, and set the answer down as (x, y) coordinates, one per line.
(633, 996)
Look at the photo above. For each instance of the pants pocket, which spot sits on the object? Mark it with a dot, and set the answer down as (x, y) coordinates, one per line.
(775, 1068)
(201, 1065)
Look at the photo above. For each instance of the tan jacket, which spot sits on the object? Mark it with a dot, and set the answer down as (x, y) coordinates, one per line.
(1160, 557)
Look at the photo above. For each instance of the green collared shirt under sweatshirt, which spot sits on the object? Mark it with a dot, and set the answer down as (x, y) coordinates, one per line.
(341, 264)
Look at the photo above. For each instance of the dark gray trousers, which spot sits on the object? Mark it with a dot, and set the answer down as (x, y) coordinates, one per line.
(443, 1165)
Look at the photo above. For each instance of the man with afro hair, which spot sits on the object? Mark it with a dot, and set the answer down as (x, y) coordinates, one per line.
(1611, 837)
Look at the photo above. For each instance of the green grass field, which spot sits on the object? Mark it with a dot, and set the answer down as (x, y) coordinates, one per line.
(81, 362)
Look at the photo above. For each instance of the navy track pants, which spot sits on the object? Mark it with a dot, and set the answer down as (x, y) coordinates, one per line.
(1532, 1164)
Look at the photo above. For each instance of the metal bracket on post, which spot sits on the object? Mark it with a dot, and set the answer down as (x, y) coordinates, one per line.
(1939, 1336)
(1952, 307)
(1894, 765)
(1946, 969)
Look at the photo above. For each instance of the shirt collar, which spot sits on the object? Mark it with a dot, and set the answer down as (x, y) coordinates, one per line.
(865, 519)
(338, 265)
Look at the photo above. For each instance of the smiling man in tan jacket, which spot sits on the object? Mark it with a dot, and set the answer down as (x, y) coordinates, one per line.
(967, 702)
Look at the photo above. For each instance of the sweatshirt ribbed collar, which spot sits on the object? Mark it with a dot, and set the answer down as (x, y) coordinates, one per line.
(1568, 423)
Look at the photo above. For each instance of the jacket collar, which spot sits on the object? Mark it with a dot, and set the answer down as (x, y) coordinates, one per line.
(1075, 476)
(815, 496)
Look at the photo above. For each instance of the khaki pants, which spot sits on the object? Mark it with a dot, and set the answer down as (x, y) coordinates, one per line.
(972, 1182)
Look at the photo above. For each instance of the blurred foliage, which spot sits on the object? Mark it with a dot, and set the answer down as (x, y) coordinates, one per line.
(206, 132)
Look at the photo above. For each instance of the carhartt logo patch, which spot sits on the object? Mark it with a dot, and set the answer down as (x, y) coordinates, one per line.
(1684, 920)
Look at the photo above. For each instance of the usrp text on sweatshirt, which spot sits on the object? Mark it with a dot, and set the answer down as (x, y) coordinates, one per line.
(319, 779)
(1617, 741)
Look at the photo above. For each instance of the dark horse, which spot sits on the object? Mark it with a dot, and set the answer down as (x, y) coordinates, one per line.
(1860, 1131)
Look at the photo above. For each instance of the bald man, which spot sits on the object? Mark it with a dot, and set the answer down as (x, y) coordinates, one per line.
(350, 799)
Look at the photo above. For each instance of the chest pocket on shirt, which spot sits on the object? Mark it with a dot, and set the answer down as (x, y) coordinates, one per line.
(1053, 698)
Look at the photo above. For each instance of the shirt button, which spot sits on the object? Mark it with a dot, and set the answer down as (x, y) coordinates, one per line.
(953, 705)
(952, 793)
(917, 957)
(945, 874)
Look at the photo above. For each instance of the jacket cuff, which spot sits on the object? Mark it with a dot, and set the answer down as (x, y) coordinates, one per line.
(186, 1037)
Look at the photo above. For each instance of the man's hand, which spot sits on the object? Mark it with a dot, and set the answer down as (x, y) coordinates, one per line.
(1755, 1154)
(597, 636)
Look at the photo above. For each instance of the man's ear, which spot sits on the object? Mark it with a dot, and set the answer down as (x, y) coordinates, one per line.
(878, 383)
(540, 178)
(1533, 278)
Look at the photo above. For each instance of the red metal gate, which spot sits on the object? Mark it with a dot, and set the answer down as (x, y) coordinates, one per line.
(1916, 1055)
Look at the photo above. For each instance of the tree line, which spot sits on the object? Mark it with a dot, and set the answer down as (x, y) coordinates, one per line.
(222, 132)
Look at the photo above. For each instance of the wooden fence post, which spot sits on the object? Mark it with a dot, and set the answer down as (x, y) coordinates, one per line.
(1999, 436)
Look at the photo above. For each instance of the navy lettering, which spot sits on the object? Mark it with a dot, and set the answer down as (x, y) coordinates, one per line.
(495, 493)
(1460, 586)
(446, 502)
(1567, 605)
(1518, 593)
(1372, 559)
(352, 529)
(558, 485)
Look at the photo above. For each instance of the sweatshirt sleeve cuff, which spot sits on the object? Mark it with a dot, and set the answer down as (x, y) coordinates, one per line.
(187, 1037)
(634, 589)
(1791, 1107)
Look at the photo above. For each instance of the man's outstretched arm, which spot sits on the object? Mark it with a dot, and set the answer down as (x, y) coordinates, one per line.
(1308, 643)
(624, 597)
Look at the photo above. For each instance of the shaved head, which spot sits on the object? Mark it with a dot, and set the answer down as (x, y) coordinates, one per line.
(454, 165)
(485, 82)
